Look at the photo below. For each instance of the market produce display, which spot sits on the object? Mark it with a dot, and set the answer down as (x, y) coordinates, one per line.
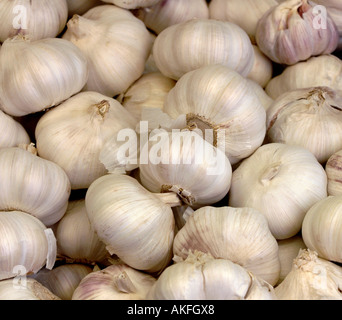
(171, 150)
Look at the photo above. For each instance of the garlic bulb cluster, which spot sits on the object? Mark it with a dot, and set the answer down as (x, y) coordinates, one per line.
(64, 279)
(289, 33)
(167, 13)
(219, 99)
(202, 277)
(25, 289)
(322, 228)
(26, 245)
(115, 282)
(76, 239)
(193, 44)
(282, 182)
(36, 75)
(237, 234)
(310, 118)
(13, 133)
(311, 278)
(116, 45)
(135, 224)
(333, 169)
(326, 68)
(133, 4)
(81, 6)
(36, 19)
(32, 184)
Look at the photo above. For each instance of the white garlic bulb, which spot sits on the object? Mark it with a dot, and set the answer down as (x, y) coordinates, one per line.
(64, 279)
(13, 133)
(25, 289)
(237, 234)
(135, 224)
(116, 44)
(311, 278)
(289, 33)
(132, 4)
(333, 170)
(26, 245)
(201, 277)
(116, 282)
(75, 142)
(31, 184)
(282, 182)
(296, 118)
(167, 13)
(264, 98)
(176, 49)
(36, 75)
(219, 99)
(188, 165)
(36, 19)
(76, 239)
(326, 68)
(322, 228)
(81, 6)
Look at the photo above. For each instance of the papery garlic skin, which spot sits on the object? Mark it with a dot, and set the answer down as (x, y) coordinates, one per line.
(116, 282)
(132, 4)
(218, 98)
(76, 239)
(237, 234)
(264, 98)
(13, 133)
(36, 75)
(282, 182)
(116, 45)
(201, 277)
(288, 33)
(321, 228)
(326, 68)
(310, 118)
(31, 184)
(176, 49)
(134, 224)
(36, 19)
(25, 289)
(311, 278)
(24, 245)
(75, 142)
(64, 279)
(333, 169)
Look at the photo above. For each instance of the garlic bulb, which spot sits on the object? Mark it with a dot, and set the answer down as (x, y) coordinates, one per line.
(311, 278)
(135, 224)
(36, 75)
(25, 289)
(289, 33)
(244, 13)
(149, 91)
(288, 251)
(64, 279)
(36, 19)
(75, 142)
(282, 182)
(13, 133)
(219, 99)
(333, 170)
(310, 118)
(201, 277)
(116, 282)
(167, 13)
(116, 44)
(31, 184)
(237, 234)
(81, 6)
(26, 245)
(264, 98)
(321, 228)
(188, 165)
(132, 4)
(326, 68)
(262, 70)
(76, 239)
(176, 49)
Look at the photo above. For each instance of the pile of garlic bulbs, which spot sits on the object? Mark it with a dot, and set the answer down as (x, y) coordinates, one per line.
(170, 150)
